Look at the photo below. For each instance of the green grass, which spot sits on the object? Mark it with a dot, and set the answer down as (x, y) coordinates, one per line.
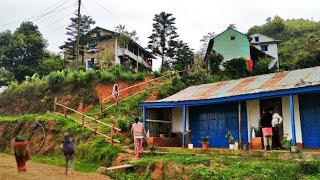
(30, 117)
(59, 161)
(214, 166)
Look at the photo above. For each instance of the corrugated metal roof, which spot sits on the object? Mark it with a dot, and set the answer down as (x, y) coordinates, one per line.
(250, 85)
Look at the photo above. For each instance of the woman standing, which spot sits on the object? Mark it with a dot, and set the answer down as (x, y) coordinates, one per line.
(21, 152)
(138, 133)
(265, 124)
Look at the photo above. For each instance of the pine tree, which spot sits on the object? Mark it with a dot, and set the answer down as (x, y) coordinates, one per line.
(163, 35)
(182, 55)
(70, 44)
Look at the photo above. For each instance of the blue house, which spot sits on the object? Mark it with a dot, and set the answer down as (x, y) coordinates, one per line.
(236, 105)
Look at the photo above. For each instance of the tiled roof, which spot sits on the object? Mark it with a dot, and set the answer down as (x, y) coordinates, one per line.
(250, 85)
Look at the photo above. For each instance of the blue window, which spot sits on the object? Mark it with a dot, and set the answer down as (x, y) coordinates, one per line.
(264, 47)
(256, 38)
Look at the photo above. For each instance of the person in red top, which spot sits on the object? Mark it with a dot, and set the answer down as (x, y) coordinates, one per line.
(138, 133)
(21, 153)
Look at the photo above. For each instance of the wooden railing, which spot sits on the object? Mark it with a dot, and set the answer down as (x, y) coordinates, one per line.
(85, 123)
(147, 83)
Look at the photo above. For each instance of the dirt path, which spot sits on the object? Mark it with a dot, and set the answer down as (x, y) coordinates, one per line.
(38, 171)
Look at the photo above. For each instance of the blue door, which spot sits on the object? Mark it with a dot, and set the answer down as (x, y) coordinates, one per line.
(310, 120)
(214, 120)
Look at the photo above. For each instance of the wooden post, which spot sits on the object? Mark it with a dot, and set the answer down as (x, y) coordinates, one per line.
(112, 130)
(82, 114)
(65, 112)
(95, 126)
(101, 107)
(54, 104)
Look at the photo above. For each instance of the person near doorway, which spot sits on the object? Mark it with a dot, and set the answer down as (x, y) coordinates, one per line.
(21, 152)
(265, 124)
(68, 148)
(276, 123)
(138, 133)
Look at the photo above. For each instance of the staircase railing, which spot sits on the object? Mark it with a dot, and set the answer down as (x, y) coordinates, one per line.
(85, 123)
(147, 83)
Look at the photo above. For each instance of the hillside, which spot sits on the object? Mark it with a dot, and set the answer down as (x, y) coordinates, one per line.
(300, 46)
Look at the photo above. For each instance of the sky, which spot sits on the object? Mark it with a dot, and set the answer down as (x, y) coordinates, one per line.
(194, 18)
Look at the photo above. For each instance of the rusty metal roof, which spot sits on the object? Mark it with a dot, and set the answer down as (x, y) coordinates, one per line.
(250, 85)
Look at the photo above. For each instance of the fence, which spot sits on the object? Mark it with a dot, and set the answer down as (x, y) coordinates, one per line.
(85, 121)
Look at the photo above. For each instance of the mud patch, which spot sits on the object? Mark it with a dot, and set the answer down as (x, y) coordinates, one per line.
(39, 142)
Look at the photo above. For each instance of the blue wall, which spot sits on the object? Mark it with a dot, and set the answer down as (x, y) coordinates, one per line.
(214, 120)
(310, 120)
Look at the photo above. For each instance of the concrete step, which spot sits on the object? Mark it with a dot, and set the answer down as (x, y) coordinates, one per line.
(124, 166)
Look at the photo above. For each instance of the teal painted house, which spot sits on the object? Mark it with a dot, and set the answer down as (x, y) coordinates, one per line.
(231, 44)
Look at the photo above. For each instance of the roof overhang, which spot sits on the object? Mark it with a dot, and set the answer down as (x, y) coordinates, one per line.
(261, 95)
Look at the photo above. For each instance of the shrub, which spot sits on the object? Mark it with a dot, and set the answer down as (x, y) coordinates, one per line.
(124, 124)
(235, 68)
(309, 168)
(203, 172)
(153, 149)
(106, 77)
(261, 66)
(55, 79)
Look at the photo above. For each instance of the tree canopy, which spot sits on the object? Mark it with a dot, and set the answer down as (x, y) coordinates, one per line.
(163, 35)
(22, 51)
(70, 45)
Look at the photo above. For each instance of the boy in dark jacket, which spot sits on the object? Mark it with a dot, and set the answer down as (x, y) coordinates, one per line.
(68, 151)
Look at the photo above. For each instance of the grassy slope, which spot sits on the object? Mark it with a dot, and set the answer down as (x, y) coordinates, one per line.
(208, 166)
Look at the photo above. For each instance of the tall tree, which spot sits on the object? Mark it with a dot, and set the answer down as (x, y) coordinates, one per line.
(163, 35)
(70, 45)
(182, 55)
(22, 51)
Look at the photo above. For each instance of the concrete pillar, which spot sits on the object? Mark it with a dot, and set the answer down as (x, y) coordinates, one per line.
(292, 119)
(184, 124)
(144, 117)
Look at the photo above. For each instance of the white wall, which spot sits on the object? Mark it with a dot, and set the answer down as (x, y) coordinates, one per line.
(286, 118)
(177, 119)
(272, 50)
(272, 47)
(253, 115)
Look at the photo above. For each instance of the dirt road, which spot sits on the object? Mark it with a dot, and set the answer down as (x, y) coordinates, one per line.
(38, 171)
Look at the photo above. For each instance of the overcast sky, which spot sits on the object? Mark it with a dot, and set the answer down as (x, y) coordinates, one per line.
(194, 18)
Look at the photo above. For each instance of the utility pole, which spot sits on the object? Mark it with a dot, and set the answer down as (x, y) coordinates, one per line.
(78, 32)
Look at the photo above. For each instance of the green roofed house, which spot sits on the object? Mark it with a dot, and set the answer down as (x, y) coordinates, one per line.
(233, 44)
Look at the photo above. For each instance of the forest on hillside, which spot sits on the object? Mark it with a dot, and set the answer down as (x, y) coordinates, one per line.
(300, 46)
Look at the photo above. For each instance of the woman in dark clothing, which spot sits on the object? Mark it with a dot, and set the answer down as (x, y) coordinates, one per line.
(68, 151)
(265, 124)
(21, 153)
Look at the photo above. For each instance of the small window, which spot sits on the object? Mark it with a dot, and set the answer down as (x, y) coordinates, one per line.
(264, 47)
(256, 38)
(233, 38)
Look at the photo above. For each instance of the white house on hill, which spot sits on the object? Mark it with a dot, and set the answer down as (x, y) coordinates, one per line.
(265, 44)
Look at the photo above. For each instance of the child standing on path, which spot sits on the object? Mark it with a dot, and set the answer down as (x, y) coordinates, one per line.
(68, 151)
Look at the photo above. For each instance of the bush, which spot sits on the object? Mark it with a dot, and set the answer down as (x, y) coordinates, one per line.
(125, 124)
(235, 68)
(309, 168)
(261, 67)
(106, 77)
(98, 151)
(203, 172)
(55, 79)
